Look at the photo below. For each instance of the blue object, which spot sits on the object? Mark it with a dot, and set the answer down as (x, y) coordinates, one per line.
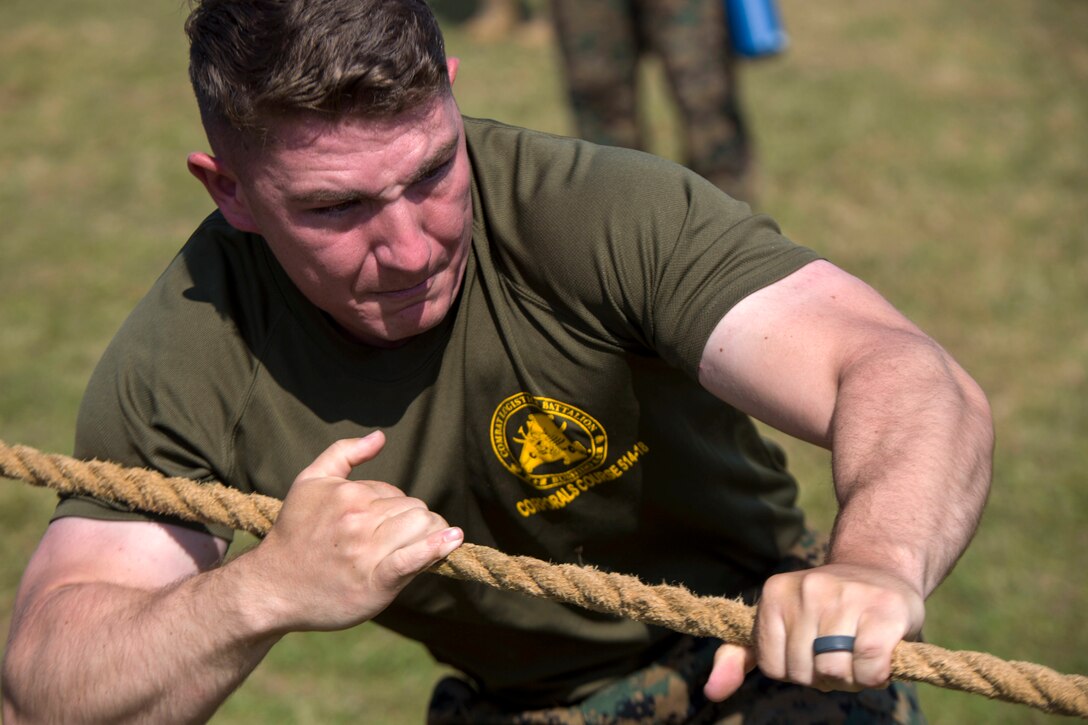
(755, 27)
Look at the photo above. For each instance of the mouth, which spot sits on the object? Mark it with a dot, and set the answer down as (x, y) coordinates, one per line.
(407, 292)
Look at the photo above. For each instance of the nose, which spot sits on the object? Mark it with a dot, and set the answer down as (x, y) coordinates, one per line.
(401, 245)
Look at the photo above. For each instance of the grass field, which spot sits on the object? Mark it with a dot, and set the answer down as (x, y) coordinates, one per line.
(939, 150)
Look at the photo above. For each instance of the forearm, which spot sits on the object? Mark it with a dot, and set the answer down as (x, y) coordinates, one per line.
(912, 443)
(105, 653)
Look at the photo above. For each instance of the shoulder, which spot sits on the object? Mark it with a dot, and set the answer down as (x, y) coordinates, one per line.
(619, 238)
(220, 289)
(549, 205)
(533, 167)
(173, 379)
(554, 198)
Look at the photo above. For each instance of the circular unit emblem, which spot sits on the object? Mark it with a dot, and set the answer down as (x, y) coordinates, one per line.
(545, 442)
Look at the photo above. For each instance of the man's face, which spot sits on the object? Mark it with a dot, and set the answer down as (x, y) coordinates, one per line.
(371, 218)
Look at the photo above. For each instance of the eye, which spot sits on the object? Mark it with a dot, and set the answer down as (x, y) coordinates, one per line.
(437, 172)
(334, 209)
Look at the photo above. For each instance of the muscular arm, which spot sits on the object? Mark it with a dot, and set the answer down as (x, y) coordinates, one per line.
(117, 622)
(114, 620)
(823, 357)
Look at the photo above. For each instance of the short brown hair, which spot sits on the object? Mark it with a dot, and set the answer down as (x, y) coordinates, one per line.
(252, 61)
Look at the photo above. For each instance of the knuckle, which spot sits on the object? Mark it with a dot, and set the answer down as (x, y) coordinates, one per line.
(885, 600)
(338, 448)
(383, 489)
(777, 587)
(425, 519)
(819, 585)
(410, 522)
(416, 513)
(342, 495)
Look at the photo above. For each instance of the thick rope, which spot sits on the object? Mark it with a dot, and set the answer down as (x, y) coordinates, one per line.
(667, 606)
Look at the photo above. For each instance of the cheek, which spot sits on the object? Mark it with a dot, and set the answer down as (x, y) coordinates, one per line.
(318, 265)
(451, 222)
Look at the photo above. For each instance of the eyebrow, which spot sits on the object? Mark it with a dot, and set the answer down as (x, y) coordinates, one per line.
(438, 159)
(442, 155)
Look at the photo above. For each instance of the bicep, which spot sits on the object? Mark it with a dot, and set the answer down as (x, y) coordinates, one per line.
(780, 353)
(135, 554)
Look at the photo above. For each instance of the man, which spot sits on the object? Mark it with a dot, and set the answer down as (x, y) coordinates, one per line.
(455, 329)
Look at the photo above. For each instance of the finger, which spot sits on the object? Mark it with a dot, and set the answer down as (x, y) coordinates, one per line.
(791, 652)
(770, 627)
(895, 615)
(877, 638)
(337, 460)
(407, 561)
(731, 663)
(381, 489)
(799, 661)
(834, 670)
(402, 519)
(445, 542)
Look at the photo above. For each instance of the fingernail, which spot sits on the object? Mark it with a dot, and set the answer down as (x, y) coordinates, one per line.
(453, 534)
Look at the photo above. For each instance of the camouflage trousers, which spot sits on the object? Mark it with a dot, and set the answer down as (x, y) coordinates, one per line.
(601, 43)
(670, 690)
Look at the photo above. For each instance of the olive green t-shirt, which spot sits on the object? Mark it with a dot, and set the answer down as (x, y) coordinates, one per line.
(554, 413)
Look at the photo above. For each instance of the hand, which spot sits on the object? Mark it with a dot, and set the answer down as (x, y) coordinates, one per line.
(878, 608)
(340, 551)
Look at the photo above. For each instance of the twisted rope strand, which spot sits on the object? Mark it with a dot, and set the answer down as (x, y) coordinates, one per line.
(672, 607)
(141, 489)
(664, 605)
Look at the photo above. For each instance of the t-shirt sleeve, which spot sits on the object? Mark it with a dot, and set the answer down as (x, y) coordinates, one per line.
(636, 249)
(165, 394)
(123, 418)
(720, 255)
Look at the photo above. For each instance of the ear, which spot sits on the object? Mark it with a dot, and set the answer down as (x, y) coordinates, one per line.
(224, 189)
(452, 64)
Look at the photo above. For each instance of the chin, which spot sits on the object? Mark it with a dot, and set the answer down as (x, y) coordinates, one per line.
(395, 335)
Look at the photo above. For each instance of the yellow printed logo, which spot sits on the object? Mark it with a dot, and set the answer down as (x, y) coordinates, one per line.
(546, 443)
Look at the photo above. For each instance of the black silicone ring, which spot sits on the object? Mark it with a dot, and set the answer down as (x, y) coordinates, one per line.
(833, 643)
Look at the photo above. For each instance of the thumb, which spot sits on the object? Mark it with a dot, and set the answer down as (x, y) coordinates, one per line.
(731, 663)
(337, 460)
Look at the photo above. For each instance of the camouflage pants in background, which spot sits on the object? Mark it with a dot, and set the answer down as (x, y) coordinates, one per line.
(601, 43)
(670, 690)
